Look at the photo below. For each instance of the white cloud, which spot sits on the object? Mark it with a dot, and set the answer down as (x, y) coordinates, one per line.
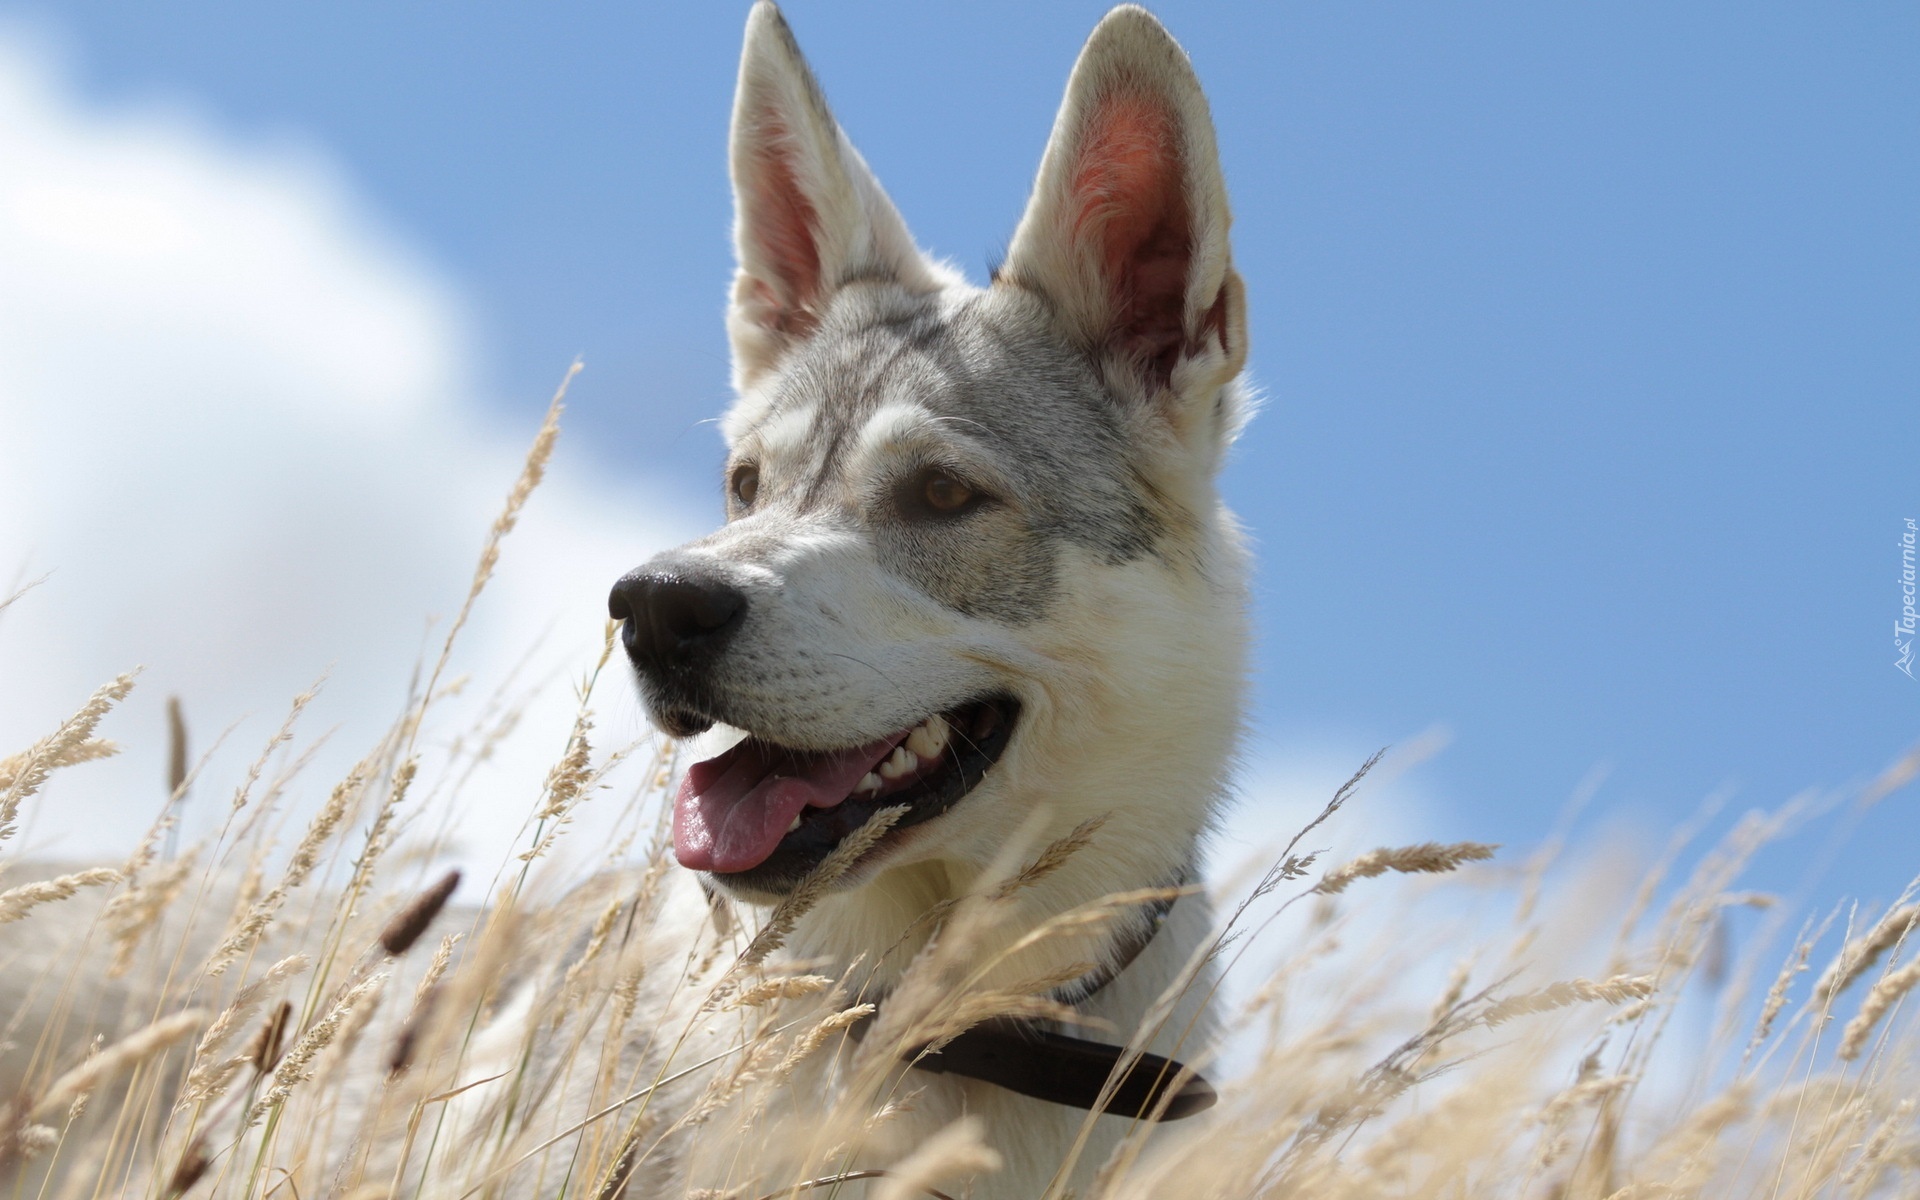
(239, 432)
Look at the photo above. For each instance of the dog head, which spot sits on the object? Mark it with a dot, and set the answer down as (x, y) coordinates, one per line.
(974, 564)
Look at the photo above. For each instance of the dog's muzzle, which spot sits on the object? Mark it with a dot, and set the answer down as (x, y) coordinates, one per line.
(675, 621)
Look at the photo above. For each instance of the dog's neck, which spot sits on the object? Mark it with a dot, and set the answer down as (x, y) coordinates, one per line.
(892, 919)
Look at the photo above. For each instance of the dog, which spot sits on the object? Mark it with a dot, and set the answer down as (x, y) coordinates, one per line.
(975, 571)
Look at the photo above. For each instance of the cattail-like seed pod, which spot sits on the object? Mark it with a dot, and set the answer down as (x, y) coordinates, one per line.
(412, 921)
(193, 1164)
(408, 1039)
(265, 1050)
(176, 747)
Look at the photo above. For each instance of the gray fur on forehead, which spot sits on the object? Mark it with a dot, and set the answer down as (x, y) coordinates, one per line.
(990, 360)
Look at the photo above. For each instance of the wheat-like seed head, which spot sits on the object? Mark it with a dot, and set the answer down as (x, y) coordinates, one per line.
(73, 742)
(110, 1061)
(1429, 858)
(17, 902)
(1885, 994)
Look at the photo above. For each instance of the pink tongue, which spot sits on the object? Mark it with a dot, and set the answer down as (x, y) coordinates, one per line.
(733, 809)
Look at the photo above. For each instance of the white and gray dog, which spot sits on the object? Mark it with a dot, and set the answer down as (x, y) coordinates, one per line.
(975, 563)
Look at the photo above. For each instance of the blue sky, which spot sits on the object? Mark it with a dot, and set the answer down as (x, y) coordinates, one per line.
(1587, 336)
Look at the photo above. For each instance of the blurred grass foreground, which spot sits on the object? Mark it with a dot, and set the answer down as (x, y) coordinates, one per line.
(294, 1006)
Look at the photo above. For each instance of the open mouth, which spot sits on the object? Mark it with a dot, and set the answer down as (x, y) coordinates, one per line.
(762, 815)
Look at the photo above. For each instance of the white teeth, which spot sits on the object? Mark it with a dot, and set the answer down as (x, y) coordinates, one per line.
(868, 783)
(794, 826)
(899, 763)
(929, 738)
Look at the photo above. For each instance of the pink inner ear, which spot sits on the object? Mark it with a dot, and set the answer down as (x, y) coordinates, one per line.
(1130, 208)
(782, 224)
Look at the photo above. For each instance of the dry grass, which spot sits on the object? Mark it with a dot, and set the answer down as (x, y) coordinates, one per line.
(236, 1021)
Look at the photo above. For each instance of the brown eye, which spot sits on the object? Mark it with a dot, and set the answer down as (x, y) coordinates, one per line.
(944, 493)
(745, 484)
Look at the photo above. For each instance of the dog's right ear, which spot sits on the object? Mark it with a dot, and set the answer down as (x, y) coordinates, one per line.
(809, 216)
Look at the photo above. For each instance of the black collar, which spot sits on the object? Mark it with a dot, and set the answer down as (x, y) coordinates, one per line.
(1020, 1055)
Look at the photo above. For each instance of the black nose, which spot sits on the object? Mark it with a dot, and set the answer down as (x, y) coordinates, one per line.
(673, 617)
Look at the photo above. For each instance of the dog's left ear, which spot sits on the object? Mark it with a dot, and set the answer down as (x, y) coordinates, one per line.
(1126, 233)
(809, 216)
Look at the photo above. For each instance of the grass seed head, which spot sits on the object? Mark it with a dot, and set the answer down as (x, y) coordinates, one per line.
(412, 921)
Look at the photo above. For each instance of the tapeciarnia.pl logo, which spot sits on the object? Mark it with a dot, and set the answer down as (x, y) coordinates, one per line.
(1904, 627)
